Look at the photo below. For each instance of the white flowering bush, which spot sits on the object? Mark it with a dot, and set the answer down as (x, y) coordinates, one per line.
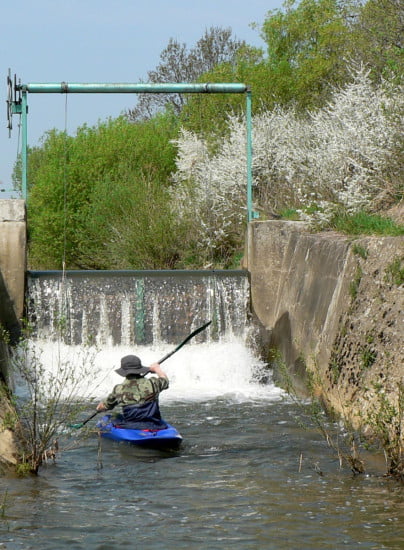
(210, 190)
(338, 157)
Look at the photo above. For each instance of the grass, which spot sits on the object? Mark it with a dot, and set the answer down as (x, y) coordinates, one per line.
(289, 214)
(395, 272)
(354, 285)
(362, 223)
(360, 251)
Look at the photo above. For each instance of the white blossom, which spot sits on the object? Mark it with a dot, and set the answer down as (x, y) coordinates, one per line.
(333, 157)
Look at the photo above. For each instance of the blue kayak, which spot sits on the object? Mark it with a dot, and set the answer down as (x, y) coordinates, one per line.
(164, 439)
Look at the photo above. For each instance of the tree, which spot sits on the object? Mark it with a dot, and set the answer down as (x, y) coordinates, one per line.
(180, 64)
(380, 36)
(333, 159)
(308, 45)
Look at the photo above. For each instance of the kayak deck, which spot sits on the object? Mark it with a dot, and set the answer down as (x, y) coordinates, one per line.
(165, 439)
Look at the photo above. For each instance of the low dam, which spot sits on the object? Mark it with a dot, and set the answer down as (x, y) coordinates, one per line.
(136, 307)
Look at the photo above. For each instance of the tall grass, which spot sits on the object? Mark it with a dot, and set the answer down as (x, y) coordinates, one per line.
(362, 223)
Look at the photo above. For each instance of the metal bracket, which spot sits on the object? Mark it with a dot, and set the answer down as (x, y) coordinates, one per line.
(14, 105)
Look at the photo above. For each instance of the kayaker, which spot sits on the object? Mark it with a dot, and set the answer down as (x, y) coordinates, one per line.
(137, 395)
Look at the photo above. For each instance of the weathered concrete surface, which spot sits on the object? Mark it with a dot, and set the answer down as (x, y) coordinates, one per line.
(331, 307)
(296, 285)
(12, 256)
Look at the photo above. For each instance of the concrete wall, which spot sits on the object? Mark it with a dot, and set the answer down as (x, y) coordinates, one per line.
(297, 287)
(13, 253)
(331, 306)
(12, 290)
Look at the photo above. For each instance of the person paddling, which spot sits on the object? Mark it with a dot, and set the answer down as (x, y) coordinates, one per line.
(137, 395)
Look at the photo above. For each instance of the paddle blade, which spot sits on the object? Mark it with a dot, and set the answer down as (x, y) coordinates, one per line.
(81, 424)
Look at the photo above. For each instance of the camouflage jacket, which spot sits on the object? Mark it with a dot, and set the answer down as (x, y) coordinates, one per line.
(136, 391)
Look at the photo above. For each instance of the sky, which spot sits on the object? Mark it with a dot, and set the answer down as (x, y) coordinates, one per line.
(98, 41)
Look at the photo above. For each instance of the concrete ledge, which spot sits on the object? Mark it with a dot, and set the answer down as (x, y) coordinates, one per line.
(12, 210)
(296, 285)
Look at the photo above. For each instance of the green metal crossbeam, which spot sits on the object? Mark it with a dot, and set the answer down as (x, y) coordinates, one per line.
(131, 88)
(128, 88)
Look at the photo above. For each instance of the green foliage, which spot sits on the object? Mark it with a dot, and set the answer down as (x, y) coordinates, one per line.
(208, 114)
(129, 225)
(10, 421)
(379, 36)
(307, 43)
(360, 251)
(68, 173)
(3, 505)
(385, 419)
(368, 357)
(289, 214)
(354, 285)
(129, 166)
(4, 335)
(49, 401)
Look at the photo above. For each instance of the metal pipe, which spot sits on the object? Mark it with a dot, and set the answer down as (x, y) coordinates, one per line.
(129, 88)
(24, 145)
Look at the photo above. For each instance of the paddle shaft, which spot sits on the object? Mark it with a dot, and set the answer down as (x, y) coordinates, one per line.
(187, 339)
(81, 424)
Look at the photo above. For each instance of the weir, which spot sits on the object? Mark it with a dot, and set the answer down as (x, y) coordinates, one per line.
(116, 308)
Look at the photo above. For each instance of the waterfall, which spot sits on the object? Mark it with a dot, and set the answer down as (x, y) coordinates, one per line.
(136, 307)
(147, 313)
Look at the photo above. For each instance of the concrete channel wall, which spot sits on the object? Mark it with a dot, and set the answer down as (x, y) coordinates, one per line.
(12, 259)
(332, 306)
(12, 291)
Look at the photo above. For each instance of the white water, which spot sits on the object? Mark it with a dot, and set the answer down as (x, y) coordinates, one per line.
(197, 372)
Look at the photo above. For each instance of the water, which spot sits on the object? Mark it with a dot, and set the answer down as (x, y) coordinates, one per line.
(247, 476)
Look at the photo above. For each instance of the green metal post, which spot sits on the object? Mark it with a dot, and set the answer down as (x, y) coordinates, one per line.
(139, 312)
(250, 214)
(24, 144)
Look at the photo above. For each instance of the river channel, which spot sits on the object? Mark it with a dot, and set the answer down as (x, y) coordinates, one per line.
(248, 475)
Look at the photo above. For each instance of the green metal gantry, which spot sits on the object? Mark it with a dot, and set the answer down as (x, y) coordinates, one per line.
(17, 104)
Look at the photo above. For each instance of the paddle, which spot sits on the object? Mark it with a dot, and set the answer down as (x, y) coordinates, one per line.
(187, 339)
(81, 424)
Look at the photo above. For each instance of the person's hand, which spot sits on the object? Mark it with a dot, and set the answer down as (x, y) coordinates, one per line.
(101, 407)
(155, 367)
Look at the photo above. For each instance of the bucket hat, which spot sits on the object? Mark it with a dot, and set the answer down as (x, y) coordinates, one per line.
(131, 364)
